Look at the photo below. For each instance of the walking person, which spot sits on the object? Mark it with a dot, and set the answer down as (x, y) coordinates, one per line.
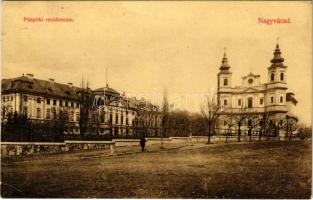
(143, 142)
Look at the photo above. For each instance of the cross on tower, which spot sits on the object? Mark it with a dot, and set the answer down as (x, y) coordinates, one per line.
(277, 40)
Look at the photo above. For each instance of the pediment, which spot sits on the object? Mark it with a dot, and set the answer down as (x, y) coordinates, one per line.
(248, 90)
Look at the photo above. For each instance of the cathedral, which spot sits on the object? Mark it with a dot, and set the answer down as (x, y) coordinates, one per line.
(254, 104)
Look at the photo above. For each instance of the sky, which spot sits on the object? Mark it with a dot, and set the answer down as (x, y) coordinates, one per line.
(149, 47)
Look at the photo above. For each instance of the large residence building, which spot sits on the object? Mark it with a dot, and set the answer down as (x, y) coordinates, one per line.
(109, 112)
(255, 98)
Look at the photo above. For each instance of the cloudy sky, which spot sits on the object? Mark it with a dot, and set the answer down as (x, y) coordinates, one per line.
(148, 46)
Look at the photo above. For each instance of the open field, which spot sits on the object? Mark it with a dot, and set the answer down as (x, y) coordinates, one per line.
(250, 170)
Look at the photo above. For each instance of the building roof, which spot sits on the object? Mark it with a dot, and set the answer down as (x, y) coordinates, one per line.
(250, 74)
(277, 59)
(107, 90)
(290, 97)
(30, 85)
(26, 84)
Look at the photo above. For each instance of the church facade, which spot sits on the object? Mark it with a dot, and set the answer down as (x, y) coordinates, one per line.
(253, 104)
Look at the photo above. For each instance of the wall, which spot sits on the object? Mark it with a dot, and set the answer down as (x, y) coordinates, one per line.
(30, 148)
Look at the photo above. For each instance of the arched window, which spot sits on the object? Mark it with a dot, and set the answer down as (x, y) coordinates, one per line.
(77, 116)
(250, 100)
(38, 113)
(225, 82)
(225, 102)
(281, 76)
(272, 76)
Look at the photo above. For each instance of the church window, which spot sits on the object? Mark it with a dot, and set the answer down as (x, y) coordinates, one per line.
(225, 102)
(281, 76)
(111, 118)
(261, 101)
(225, 123)
(250, 100)
(272, 99)
(25, 110)
(54, 113)
(38, 112)
(250, 81)
(72, 116)
(77, 116)
(38, 100)
(48, 113)
(225, 82)
(25, 98)
(48, 101)
(272, 76)
(281, 99)
(239, 102)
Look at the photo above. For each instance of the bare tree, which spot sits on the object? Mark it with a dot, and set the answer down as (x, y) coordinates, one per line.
(165, 118)
(230, 122)
(264, 125)
(290, 126)
(241, 116)
(210, 113)
(253, 122)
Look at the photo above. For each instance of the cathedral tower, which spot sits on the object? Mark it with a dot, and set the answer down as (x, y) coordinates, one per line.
(224, 83)
(276, 86)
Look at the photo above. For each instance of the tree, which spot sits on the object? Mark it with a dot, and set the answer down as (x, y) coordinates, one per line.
(264, 124)
(253, 122)
(290, 125)
(230, 120)
(210, 112)
(86, 105)
(241, 116)
(165, 118)
(198, 125)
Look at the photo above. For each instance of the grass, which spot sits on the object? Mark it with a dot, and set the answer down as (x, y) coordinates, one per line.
(247, 170)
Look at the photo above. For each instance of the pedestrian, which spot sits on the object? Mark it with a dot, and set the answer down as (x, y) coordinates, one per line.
(143, 142)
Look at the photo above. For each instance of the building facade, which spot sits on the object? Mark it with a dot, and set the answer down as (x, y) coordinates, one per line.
(106, 112)
(253, 103)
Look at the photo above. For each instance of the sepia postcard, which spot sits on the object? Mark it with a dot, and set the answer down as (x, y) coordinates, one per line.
(156, 99)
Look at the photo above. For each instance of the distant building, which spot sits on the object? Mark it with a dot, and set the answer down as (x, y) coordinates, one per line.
(254, 98)
(109, 113)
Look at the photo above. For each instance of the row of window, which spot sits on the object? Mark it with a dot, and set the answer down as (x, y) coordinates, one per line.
(7, 98)
(54, 102)
(282, 76)
(51, 113)
(271, 122)
(250, 101)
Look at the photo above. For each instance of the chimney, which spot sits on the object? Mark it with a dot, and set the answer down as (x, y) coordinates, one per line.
(51, 79)
(31, 76)
(70, 84)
